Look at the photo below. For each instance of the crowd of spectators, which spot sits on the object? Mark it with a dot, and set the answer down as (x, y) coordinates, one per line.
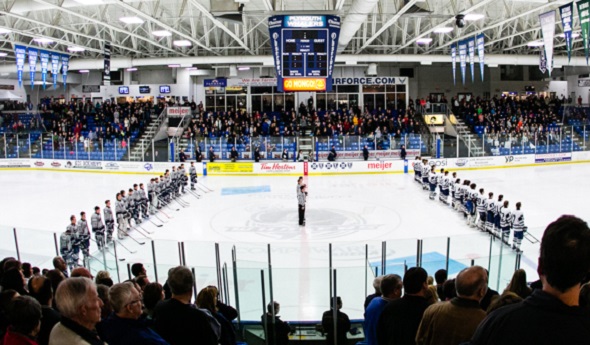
(60, 307)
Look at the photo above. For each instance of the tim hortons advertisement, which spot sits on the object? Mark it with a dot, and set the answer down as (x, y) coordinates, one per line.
(278, 168)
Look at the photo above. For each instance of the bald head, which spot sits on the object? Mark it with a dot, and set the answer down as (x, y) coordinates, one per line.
(472, 283)
(81, 272)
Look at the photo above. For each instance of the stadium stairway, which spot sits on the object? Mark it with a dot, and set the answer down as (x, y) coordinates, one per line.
(145, 140)
(470, 139)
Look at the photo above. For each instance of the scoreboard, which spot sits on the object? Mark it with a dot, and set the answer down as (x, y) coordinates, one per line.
(304, 50)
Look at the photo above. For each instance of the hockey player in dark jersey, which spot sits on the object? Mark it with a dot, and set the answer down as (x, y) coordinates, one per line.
(66, 244)
(109, 221)
(97, 227)
(84, 236)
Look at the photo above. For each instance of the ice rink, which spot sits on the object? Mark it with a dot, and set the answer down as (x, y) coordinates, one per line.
(355, 213)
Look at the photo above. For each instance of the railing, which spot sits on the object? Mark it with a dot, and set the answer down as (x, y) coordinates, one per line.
(240, 270)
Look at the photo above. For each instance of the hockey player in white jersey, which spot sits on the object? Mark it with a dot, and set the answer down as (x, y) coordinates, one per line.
(455, 183)
(153, 196)
(482, 208)
(425, 173)
(192, 171)
(143, 201)
(439, 178)
(432, 183)
(444, 190)
(418, 170)
(109, 220)
(497, 211)
(490, 207)
(470, 205)
(505, 222)
(66, 244)
(518, 227)
(97, 227)
(84, 236)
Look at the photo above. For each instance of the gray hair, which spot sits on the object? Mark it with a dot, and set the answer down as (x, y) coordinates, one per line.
(72, 294)
(377, 284)
(180, 280)
(120, 295)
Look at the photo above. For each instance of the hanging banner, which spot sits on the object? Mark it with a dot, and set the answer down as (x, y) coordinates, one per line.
(65, 61)
(471, 48)
(20, 53)
(542, 62)
(44, 64)
(463, 58)
(33, 54)
(55, 58)
(548, 32)
(584, 13)
(480, 53)
(566, 12)
(454, 61)
(106, 73)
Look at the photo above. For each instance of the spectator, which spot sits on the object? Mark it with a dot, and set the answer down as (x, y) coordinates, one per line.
(275, 331)
(141, 281)
(125, 326)
(332, 154)
(176, 319)
(211, 155)
(551, 315)
(137, 269)
(518, 284)
(440, 277)
(432, 295)
(81, 272)
(449, 290)
(391, 289)
(24, 315)
(103, 294)
(55, 277)
(227, 311)
(455, 321)
(207, 299)
(342, 324)
(13, 279)
(103, 277)
(377, 293)
(80, 308)
(152, 295)
(27, 271)
(400, 318)
(233, 154)
(505, 299)
(40, 289)
(60, 264)
(6, 296)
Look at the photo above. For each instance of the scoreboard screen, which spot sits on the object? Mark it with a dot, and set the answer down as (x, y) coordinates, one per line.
(304, 50)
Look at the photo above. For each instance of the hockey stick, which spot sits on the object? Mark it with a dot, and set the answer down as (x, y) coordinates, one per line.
(209, 189)
(127, 249)
(145, 233)
(181, 203)
(102, 263)
(196, 195)
(133, 238)
(201, 188)
(530, 237)
(156, 224)
(160, 219)
(164, 213)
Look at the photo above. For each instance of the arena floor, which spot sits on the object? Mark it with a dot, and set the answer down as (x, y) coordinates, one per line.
(354, 213)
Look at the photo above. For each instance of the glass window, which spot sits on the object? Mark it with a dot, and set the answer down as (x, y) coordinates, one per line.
(347, 88)
(353, 100)
(261, 89)
(256, 103)
(320, 101)
(373, 88)
(279, 102)
(290, 102)
(380, 100)
(369, 101)
(266, 103)
(231, 102)
(401, 88)
(391, 88)
(210, 103)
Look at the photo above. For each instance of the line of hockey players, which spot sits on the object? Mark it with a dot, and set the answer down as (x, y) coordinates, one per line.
(137, 205)
(479, 209)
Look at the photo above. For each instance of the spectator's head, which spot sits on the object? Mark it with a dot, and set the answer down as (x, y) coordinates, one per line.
(6, 296)
(27, 269)
(126, 301)
(12, 263)
(40, 289)
(56, 277)
(391, 286)
(449, 290)
(415, 281)
(24, 315)
(377, 285)
(152, 294)
(338, 302)
(180, 281)
(207, 299)
(518, 283)
(77, 299)
(273, 305)
(507, 298)
(472, 283)
(431, 294)
(103, 294)
(440, 276)
(565, 253)
(13, 279)
(103, 278)
(81, 272)
(137, 269)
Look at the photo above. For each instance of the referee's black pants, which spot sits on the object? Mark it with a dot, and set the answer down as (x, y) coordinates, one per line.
(301, 214)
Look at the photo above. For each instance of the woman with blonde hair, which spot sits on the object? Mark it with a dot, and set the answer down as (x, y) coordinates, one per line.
(518, 284)
(207, 299)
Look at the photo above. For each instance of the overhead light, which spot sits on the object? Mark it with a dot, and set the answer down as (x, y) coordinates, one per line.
(182, 43)
(574, 35)
(491, 65)
(243, 68)
(131, 20)
(4, 31)
(192, 68)
(474, 16)
(424, 40)
(131, 69)
(76, 49)
(3, 54)
(174, 65)
(90, 2)
(443, 30)
(161, 33)
(536, 44)
(43, 40)
(84, 71)
(426, 63)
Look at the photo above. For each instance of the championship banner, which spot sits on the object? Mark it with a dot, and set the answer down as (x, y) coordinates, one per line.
(480, 53)
(454, 62)
(106, 74)
(65, 60)
(542, 62)
(548, 32)
(471, 48)
(463, 58)
(566, 12)
(55, 58)
(33, 54)
(20, 52)
(44, 64)
(584, 13)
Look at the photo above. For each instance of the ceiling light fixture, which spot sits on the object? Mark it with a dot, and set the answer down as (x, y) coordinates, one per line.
(424, 40)
(161, 33)
(3, 54)
(131, 69)
(244, 68)
(443, 30)
(43, 40)
(76, 49)
(84, 71)
(473, 16)
(131, 20)
(4, 31)
(182, 43)
(174, 65)
(536, 44)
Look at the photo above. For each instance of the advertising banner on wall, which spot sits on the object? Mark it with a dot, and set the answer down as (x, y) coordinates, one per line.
(566, 13)
(33, 54)
(213, 168)
(548, 31)
(20, 53)
(44, 55)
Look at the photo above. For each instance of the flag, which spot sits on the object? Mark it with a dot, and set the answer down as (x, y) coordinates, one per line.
(20, 52)
(548, 31)
(566, 12)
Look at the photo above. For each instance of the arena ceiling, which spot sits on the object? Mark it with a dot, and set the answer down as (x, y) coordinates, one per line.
(369, 26)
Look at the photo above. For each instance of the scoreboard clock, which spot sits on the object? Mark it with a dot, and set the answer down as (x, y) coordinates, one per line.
(304, 50)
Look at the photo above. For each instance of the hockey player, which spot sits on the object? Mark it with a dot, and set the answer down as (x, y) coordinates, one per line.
(132, 208)
(456, 192)
(66, 244)
(143, 201)
(192, 171)
(84, 236)
(418, 170)
(109, 220)
(153, 195)
(183, 178)
(482, 208)
(121, 212)
(518, 227)
(425, 173)
(97, 227)
(137, 201)
(498, 210)
(439, 178)
(444, 188)
(490, 207)
(505, 222)
(470, 205)
(432, 178)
